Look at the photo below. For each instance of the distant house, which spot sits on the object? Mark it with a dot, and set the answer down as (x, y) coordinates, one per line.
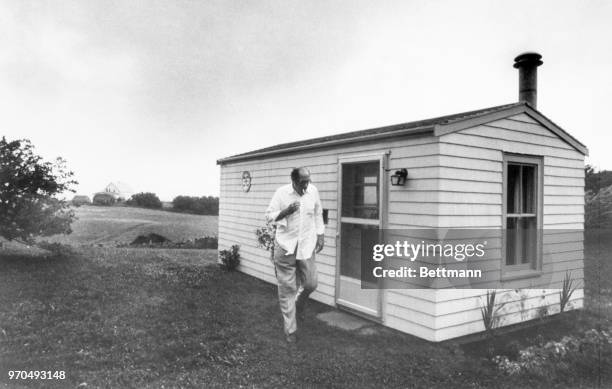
(79, 200)
(119, 190)
(507, 168)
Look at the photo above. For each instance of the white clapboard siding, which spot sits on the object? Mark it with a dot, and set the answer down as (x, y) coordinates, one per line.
(563, 172)
(423, 208)
(458, 317)
(551, 199)
(407, 326)
(461, 150)
(240, 214)
(563, 202)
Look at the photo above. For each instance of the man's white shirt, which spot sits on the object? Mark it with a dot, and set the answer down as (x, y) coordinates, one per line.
(301, 227)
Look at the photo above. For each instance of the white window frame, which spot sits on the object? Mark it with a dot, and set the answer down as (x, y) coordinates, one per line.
(533, 268)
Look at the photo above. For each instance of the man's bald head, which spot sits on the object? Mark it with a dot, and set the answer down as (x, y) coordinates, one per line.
(299, 172)
(300, 177)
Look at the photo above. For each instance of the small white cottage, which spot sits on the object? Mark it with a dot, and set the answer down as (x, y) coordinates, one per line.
(119, 190)
(508, 168)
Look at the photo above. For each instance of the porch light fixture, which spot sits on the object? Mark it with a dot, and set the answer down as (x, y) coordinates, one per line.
(399, 177)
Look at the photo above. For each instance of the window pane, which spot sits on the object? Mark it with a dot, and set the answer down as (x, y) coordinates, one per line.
(355, 251)
(365, 195)
(521, 240)
(514, 181)
(529, 240)
(370, 195)
(529, 189)
(360, 190)
(351, 250)
(511, 241)
(371, 179)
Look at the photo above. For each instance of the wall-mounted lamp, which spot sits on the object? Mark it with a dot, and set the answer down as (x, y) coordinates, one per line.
(399, 177)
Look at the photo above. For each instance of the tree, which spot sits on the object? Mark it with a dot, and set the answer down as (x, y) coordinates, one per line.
(205, 205)
(598, 198)
(596, 180)
(104, 198)
(598, 209)
(29, 187)
(145, 200)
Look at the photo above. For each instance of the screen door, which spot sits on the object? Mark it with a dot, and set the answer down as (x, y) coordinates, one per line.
(360, 199)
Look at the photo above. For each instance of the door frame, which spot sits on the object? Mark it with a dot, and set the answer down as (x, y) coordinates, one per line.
(382, 157)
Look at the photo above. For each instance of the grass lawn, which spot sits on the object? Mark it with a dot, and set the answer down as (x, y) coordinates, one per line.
(113, 317)
(138, 318)
(111, 225)
(126, 317)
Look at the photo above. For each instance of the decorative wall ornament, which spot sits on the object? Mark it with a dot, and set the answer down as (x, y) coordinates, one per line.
(246, 181)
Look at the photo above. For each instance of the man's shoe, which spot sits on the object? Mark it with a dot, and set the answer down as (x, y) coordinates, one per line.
(291, 338)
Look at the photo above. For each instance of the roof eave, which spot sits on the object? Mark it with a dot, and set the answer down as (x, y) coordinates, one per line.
(361, 138)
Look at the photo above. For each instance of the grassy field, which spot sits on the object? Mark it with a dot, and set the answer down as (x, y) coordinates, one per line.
(151, 318)
(112, 225)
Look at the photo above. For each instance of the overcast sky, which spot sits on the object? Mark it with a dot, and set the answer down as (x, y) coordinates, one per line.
(152, 93)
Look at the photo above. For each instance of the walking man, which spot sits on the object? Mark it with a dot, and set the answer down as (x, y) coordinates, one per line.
(296, 210)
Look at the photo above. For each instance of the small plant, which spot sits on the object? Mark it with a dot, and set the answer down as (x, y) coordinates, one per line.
(490, 312)
(567, 290)
(266, 236)
(230, 259)
(542, 312)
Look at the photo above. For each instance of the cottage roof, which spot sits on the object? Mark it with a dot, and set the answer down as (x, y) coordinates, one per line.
(118, 187)
(435, 126)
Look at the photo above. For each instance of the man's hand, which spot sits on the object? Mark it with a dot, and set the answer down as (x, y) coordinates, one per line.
(293, 207)
(320, 243)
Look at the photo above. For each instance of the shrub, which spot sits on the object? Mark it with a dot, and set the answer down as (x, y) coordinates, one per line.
(151, 239)
(79, 200)
(230, 259)
(205, 205)
(572, 355)
(104, 198)
(145, 200)
(157, 241)
(56, 249)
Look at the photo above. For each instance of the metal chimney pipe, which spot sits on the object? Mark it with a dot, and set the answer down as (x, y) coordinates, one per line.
(527, 64)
